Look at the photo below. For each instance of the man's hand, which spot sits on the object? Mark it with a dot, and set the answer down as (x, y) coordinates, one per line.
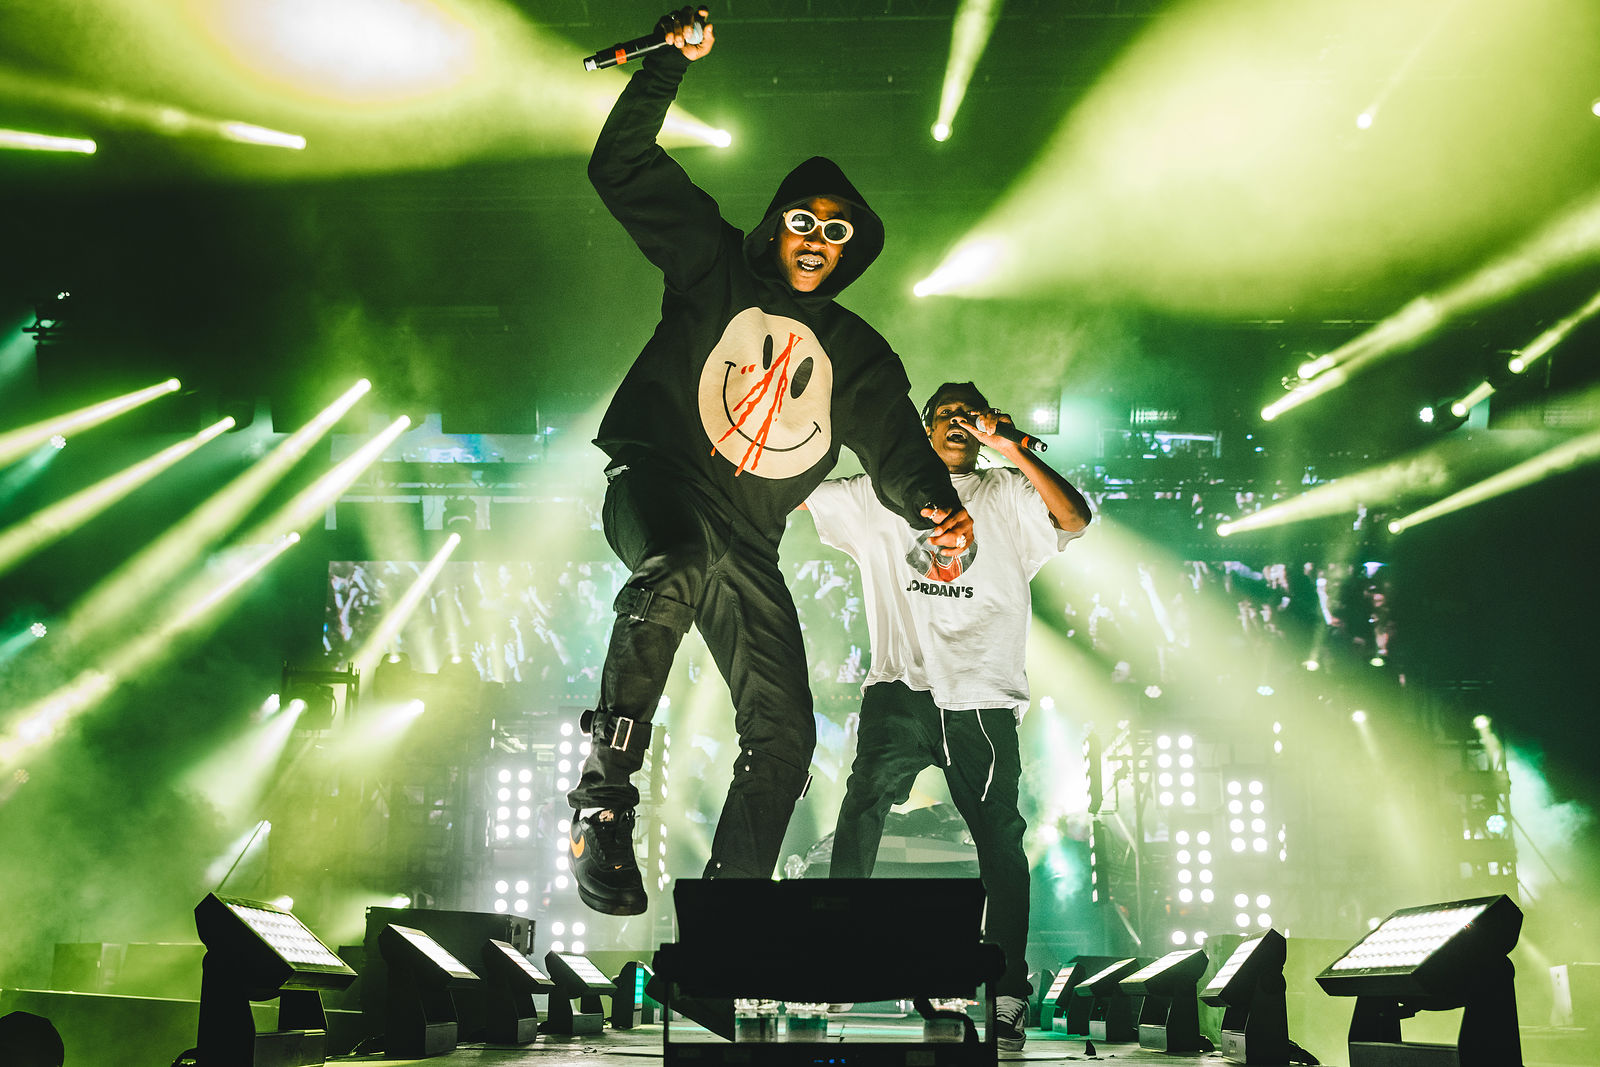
(953, 533)
(983, 425)
(675, 27)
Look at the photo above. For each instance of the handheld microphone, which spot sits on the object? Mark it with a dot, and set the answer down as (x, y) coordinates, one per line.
(1011, 433)
(623, 51)
(1016, 436)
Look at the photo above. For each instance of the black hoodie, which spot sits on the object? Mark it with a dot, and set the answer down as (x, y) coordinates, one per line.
(748, 389)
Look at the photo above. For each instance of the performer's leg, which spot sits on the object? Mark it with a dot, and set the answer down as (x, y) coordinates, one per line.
(891, 750)
(656, 527)
(750, 626)
(983, 776)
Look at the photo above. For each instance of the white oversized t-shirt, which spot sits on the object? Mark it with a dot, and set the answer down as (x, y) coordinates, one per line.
(964, 640)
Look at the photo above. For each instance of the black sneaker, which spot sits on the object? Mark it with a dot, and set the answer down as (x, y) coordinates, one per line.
(601, 847)
(1010, 1016)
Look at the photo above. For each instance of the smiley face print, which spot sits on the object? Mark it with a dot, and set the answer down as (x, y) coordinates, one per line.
(765, 396)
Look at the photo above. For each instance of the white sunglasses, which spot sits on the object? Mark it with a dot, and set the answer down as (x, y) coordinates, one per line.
(802, 222)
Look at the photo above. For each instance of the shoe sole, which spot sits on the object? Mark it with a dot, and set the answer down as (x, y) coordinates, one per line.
(1009, 1044)
(612, 907)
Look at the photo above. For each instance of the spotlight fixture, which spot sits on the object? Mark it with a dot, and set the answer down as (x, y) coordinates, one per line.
(1250, 990)
(1169, 1018)
(1041, 982)
(1060, 1011)
(576, 978)
(1093, 771)
(257, 951)
(1433, 958)
(511, 980)
(419, 1016)
(1113, 1014)
(29, 1040)
(630, 1005)
(1442, 416)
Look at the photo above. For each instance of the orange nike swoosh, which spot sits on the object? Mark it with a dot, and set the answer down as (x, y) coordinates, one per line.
(578, 846)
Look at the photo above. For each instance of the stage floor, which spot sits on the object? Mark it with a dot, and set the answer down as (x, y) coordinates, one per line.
(629, 1048)
(102, 1031)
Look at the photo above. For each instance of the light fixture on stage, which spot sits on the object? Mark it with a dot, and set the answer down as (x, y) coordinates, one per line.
(29, 141)
(1062, 1012)
(576, 979)
(256, 951)
(315, 689)
(315, 706)
(1041, 982)
(1433, 958)
(1169, 1018)
(1113, 1014)
(1250, 990)
(419, 1016)
(511, 980)
(1093, 771)
(29, 1040)
(1056, 996)
(630, 1006)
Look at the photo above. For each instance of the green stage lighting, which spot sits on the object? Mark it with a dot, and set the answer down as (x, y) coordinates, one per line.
(1250, 990)
(575, 979)
(1169, 1018)
(1113, 1014)
(1432, 958)
(511, 980)
(630, 1006)
(1062, 1012)
(257, 951)
(419, 1016)
(44, 142)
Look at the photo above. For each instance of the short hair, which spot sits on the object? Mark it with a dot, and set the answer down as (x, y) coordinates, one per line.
(948, 391)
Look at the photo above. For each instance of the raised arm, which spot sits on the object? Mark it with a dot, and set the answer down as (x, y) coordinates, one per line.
(1068, 509)
(674, 222)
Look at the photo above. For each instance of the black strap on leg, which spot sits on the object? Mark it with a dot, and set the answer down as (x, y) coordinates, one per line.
(617, 731)
(648, 606)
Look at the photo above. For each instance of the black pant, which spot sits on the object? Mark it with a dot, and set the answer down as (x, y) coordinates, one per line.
(902, 731)
(693, 564)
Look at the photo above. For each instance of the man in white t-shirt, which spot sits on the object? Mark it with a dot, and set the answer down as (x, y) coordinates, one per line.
(947, 685)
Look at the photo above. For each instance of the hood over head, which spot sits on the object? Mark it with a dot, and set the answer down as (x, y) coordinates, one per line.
(819, 176)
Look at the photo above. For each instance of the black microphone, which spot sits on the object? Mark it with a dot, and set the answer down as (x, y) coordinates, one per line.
(623, 51)
(1028, 441)
(1016, 436)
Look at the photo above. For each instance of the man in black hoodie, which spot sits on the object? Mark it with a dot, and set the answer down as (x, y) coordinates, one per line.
(735, 410)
